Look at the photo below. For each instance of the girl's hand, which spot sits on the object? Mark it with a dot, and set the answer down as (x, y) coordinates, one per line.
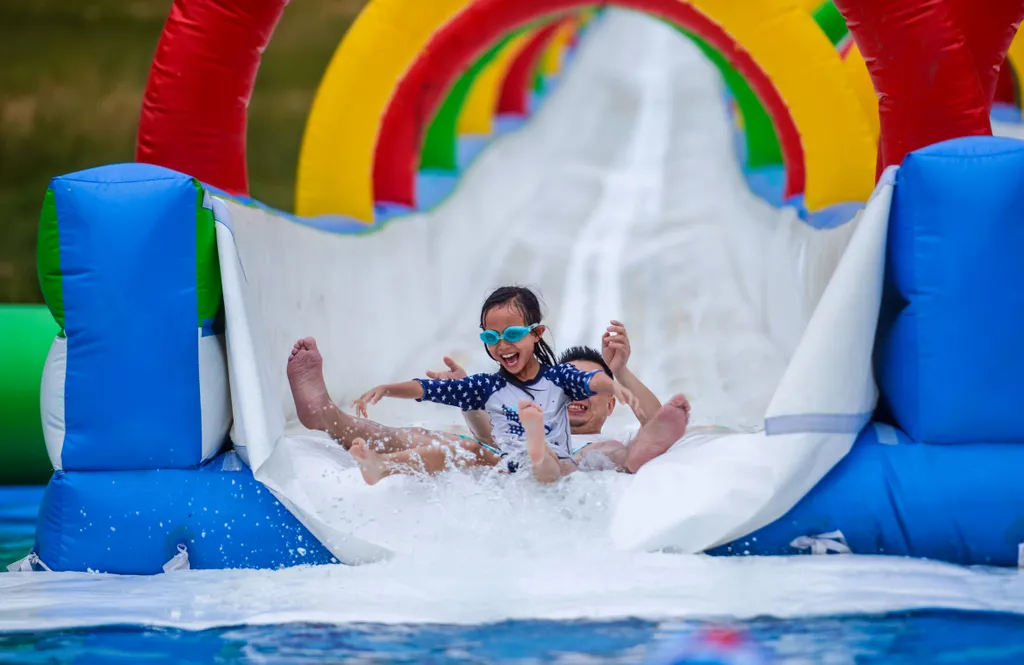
(455, 371)
(615, 347)
(627, 397)
(371, 397)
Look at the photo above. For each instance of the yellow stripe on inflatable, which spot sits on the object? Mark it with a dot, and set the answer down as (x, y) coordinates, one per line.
(806, 69)
(860, 79)
(477, 114)
(1016, 58)
(810, 6)
(336, 160)
(737, 113)
(551, 61)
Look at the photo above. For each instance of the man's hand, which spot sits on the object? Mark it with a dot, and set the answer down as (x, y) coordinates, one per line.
(615, 347)
(455, 371)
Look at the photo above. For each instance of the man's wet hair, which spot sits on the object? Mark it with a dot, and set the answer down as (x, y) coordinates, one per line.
(588, 354)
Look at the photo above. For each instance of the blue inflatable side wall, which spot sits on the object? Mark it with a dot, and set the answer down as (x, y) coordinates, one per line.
(950, 371)
(958, 503)
(132, 522)
(128, 284)
(950, 366)
(132, 260)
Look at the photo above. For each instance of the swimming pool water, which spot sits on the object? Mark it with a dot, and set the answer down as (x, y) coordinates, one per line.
(897, 638)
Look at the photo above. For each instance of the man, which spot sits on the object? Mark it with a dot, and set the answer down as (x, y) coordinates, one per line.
(660, 428)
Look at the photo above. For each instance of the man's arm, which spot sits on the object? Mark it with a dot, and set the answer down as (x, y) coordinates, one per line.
(648, 401)
(616, 350)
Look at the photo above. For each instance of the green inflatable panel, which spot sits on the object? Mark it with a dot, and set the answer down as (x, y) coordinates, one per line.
(538, 77)
(763, 147)
(440, 144)
(831, 22)
(26, 332)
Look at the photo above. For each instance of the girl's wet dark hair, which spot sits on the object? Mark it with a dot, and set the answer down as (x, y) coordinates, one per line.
(527, 302)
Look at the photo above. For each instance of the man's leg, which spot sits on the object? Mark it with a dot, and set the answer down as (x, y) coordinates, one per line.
(431, 460)
(602, 456)
(667, 426)
(543, 462)
(317, 411)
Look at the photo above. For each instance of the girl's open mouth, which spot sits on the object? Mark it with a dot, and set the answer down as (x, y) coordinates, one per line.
(511, 360)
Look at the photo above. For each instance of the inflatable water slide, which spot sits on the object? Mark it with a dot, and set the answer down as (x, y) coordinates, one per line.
(890, 426)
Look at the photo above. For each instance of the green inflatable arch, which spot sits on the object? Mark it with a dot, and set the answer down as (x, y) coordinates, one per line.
(831, 22)
(440, 142)
(759, 132)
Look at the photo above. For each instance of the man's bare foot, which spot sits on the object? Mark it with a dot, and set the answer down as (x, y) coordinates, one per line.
(666, 427)
(306, 377)
(531, 417)
(371, 464)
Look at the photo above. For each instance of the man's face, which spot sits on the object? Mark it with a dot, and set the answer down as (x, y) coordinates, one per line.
(588, 416)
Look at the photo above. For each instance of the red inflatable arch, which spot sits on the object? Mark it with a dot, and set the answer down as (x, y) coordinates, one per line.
(935, 65)
(421, 91)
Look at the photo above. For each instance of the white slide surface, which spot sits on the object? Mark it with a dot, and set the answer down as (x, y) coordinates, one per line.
(622, 198)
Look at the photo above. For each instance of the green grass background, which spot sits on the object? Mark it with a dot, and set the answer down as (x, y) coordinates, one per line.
(72, 75)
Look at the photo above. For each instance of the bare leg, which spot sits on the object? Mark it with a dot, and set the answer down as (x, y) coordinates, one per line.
(429, 460)
(317, 411)
(544, 464)
(666, 427)
(603, 455)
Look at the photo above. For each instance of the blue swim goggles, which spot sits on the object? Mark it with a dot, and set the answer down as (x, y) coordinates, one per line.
(511, 334)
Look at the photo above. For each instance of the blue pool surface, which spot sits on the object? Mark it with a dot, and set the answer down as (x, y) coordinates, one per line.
(18, 508)
(898, 638)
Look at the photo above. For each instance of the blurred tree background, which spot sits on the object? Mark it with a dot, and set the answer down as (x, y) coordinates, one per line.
(72, 74)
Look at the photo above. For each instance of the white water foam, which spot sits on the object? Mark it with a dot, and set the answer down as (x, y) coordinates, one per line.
(622, 199)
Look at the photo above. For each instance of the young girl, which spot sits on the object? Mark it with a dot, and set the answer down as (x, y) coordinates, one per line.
(528, 381)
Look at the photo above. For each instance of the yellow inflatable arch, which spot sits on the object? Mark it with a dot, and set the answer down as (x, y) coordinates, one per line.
(341, 168)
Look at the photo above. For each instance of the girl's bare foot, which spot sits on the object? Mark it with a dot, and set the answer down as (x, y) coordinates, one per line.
(544, 464)
(372, 464)
(531, 417)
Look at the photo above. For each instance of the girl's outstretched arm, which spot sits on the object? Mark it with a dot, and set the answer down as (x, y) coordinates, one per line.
(581, 385)
(403, 390)
(469, 394)
(477, 421)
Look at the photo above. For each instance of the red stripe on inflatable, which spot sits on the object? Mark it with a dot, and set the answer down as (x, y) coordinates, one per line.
(195, 106)
(846, 46)
(1006, 85)
(515, 89)
(989, 34)
(934, 65)
(421, 91)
